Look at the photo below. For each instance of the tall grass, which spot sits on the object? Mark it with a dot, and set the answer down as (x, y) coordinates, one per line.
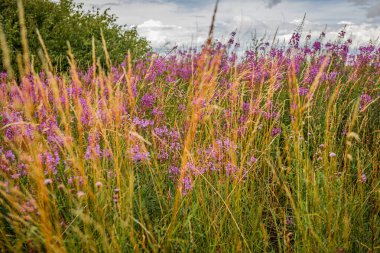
(194, 151)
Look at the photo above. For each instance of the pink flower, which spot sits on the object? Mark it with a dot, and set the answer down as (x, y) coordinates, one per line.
(252, 160)
(332, 154)
(363, 178)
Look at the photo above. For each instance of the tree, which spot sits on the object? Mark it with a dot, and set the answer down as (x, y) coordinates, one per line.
(64, 21)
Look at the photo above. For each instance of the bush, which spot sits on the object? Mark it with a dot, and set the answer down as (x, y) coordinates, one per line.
(64, 22)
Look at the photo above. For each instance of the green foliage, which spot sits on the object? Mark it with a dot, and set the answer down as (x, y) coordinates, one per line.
(65, 21)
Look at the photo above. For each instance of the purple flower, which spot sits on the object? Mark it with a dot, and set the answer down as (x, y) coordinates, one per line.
(138, 155)
(147, 100)
(290, 221)
(365, 99)
(252, 160)
(10, 156)
(174, 171)
(276, 131)
(317, 46)
(295, 39)
(163, 155)
(16, 176)
(246, 106)
(48, 181)
(181, 107)
(156, 111)
(332, 76)
(230, 169)
(93, 149)
(186, 185)
(50, 161)
(107, 153)
(3, 76)
(143, 122)
(303, 91)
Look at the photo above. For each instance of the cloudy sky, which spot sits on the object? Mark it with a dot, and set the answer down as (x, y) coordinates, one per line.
(185, 22)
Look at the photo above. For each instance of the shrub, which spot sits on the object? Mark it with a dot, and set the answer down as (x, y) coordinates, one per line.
(65, 21)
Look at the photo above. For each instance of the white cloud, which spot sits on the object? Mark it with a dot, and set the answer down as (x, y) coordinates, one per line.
(151, 23)
(187, 22)
(363, 33)
(157, 32)
(344, 22)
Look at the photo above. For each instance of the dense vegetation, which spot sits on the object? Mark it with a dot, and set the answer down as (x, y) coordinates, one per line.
(62, 22)
(195, 151)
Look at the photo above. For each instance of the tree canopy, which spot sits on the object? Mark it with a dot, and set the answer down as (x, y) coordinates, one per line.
(62, 22)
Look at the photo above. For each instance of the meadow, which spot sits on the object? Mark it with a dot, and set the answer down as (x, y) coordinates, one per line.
(196, 150)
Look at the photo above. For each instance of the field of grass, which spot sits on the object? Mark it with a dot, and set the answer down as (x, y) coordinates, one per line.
(195, 151)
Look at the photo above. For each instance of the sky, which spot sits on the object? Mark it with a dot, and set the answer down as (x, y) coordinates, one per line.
(166, 23)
